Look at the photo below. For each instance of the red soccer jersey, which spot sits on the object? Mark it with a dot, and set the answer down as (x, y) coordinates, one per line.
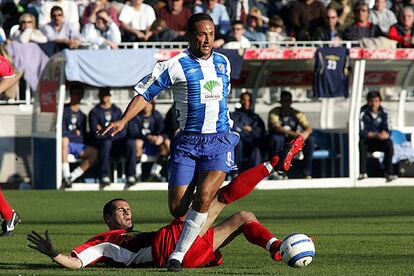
(6, 70)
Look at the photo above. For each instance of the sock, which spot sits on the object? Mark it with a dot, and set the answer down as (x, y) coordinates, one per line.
(245, 182)
(76, 173)
(257, 234)
(138, 170)
(66, 170)
(5, 210)
(156, 169)
(193, 224)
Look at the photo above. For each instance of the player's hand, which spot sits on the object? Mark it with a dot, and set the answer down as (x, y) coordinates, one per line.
(42, 244)
(113, 128)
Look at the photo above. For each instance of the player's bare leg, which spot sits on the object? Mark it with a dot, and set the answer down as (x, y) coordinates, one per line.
(246, 223)
(179, 199)
(208, 184)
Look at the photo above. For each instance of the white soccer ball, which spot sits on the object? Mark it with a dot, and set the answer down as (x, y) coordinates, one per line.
(297, 250)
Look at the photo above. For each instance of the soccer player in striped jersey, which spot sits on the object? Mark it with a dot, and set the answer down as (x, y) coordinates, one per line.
(10, 216)
(120, 246)
(203, 149)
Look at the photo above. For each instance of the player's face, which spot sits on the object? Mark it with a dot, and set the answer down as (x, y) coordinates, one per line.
(374, 104)
(122, 216)
(201, 42)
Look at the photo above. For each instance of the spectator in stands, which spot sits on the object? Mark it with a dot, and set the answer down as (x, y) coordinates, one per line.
(345, 11)
(175, 15)
(69, 8)
(91, 12)
(330, 30)
(375, 135)
(104, 33)
(362, 27)
(74, 138)
(99, 117)
(136, 21)
(251, 129)
(160, 32)
(255, 30)
(238, 9)
(218, 13)
(60, 31)
(403, 32)
(284, 123)
(237, 40)
(9, 16)
(147, 130)
(382, 16)
(27, 31)
(304, 16)
(276, 31)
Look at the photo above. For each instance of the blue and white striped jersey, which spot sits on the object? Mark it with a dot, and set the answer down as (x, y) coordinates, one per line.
(200, 89)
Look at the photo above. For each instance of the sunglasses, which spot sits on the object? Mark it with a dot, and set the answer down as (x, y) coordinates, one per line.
(27, 22)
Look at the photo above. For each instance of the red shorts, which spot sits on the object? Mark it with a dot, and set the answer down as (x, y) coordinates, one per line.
(200, 254)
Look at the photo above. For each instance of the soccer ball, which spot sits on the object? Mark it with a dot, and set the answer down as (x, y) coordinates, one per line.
(297, 250)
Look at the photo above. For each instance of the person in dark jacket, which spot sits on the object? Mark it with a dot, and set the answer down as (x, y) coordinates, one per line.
(375, 135)
(147, 129)
(99, 117)
(74, 138)
(330, 30)
(252, 132)
(362, 27)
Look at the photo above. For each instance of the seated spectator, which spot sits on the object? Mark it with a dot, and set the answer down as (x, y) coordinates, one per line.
(69, 8)
(255, 30)
(276, 31)
(284, 123)
(238, 9)
(344, 9)
(375, 135)
(27, 31)
(160, 32)
(136, 21)
(120, 145)
(91, 11)
(237, 39)
(9, 16)
(218, 13)
(382, 16)
(304, 16)
(74, 138)
(251, 129)
(147, 130)
(403, 32)
(60, 31)
(330, 30)
(362, 27)
(103, 34)
(175, 16)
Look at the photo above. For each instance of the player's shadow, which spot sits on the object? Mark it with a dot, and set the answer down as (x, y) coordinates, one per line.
(20, 266)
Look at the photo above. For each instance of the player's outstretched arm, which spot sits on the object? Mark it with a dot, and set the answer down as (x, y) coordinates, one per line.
(136, 105)
(45, 246)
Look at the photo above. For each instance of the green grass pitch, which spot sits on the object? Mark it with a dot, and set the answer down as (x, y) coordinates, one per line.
(365, 231)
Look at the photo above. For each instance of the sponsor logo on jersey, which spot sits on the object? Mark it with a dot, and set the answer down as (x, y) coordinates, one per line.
(211, 90)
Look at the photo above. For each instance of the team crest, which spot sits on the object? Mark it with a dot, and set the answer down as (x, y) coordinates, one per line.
(221, 67)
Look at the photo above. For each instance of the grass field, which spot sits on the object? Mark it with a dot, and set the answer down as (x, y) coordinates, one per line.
(357, 231)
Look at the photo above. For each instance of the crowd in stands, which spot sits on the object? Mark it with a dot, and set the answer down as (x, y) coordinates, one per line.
(105, 23)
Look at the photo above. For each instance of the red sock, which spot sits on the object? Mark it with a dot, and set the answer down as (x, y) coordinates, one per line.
(245, 182)
(257, 234)
(5, 210)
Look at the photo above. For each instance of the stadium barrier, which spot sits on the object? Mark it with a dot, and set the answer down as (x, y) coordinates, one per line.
(263, 67)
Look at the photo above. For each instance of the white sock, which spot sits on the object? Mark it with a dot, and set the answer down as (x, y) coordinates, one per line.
(76, 173)
(138, 169)
(156, 169)
(66, 170)
(193, 224)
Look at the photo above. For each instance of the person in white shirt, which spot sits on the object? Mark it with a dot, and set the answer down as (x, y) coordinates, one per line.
(136, 20)
(27, 31)
(69, 7)
(60, 31)
(239, 41)
(381, 16)
(104, 33)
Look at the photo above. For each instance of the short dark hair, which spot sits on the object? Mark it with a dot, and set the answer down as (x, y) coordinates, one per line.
(247, 93)
(374, 94)
(286, 94)
(237, 22)
(359, 5)
(109, 207)
(194, 19)
(55, 8)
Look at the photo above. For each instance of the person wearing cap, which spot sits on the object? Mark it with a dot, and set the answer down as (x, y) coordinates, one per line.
(100, 117)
